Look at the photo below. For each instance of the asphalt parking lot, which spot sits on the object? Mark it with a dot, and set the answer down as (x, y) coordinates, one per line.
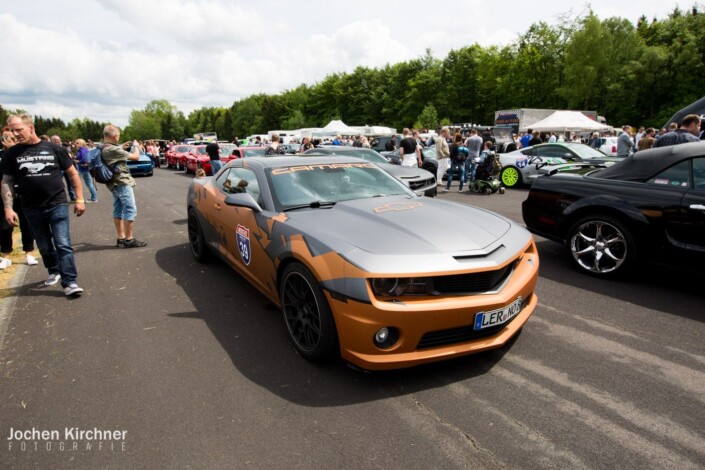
(197, 368)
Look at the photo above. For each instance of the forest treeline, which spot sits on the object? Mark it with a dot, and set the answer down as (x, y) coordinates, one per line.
(638, 74)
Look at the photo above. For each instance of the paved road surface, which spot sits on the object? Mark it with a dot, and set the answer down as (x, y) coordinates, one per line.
(197, 368)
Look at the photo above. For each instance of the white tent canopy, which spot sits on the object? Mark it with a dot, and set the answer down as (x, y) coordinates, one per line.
(338, 128)
(566, 121)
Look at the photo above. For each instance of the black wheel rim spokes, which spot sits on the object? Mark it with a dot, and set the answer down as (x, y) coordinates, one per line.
(301, 312)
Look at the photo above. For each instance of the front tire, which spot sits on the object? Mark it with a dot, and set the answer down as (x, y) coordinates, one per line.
(602, 246)
(307, 315)
(196, 239)
(510, 176)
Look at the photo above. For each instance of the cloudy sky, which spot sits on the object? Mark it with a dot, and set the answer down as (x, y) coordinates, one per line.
(102, 58)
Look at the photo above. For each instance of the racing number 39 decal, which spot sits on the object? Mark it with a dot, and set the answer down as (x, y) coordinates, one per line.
(243, 243)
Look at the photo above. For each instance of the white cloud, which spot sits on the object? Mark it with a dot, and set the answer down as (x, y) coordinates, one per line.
(102, 58)
(197, 25)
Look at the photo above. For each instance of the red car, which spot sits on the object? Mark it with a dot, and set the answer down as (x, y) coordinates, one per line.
(240, 152)
(198, 158)
(176, 156)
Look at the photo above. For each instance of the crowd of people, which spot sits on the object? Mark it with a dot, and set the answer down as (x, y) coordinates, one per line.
(37, 172)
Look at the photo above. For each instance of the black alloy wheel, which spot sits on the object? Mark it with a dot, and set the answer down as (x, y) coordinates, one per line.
(307, 315)
(197, 242)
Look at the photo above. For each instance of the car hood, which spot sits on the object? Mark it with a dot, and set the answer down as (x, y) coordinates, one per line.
(409, 236)
(143, 159)
(405, 172)
(402, 226)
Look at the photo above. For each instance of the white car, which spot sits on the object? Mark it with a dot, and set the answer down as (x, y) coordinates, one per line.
(519, 166)
(608, 146)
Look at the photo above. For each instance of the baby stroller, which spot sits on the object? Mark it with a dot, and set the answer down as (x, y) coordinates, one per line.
(487, 175)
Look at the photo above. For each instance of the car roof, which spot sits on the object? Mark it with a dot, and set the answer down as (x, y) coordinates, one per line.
(646, 163)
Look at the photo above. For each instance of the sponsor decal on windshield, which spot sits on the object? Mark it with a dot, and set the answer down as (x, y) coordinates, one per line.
(322, 166)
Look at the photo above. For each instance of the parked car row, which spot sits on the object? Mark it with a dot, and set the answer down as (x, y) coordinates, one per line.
(189, 158)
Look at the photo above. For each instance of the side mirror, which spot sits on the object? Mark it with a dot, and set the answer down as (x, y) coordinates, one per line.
(242, 200)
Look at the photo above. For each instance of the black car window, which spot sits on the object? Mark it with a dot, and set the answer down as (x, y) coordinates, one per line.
(677, 176)
(554, 151)
(699, 173)
(239, 180)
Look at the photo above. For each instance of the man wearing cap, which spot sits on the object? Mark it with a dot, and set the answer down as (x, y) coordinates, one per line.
(625, 144)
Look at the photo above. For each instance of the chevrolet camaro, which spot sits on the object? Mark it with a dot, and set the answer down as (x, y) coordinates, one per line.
(362, 267)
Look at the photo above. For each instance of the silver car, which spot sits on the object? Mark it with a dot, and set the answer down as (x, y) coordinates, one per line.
(418, 180)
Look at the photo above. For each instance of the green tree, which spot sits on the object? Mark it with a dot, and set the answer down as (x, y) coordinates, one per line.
(142, 125)
(295, 120)
(428, 119)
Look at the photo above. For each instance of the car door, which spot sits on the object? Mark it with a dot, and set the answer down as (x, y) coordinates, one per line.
(240, 238)
(668, 192)
(693, 230)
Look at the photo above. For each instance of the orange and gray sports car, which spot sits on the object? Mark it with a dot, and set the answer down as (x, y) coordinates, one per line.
(362, 267)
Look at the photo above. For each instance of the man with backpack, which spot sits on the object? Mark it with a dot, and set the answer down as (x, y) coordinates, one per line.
(122, 185)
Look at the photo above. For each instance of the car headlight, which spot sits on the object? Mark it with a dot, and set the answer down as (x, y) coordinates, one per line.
(398, 286)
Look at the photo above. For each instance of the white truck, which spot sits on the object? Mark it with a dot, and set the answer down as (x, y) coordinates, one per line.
(524, 117)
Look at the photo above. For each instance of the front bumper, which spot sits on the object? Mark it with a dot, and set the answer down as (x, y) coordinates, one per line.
(141, 169)
(447, 316)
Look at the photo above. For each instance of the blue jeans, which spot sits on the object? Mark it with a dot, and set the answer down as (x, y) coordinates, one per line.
(470, 169)
(50, 227)
(88, 179)
(216, 165)
(461, 168)
(124, 205)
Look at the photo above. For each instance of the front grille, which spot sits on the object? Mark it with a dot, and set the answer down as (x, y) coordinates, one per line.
(461, 334)
(421, 183)
(472, 283)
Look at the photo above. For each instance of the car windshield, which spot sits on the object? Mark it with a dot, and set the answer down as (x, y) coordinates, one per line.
(587, 153)
(201, 150)
(227, 149)
(313, 185)
(254, 152)
(183, 149)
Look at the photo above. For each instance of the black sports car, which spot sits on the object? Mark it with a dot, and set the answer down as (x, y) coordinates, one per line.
(649, 207)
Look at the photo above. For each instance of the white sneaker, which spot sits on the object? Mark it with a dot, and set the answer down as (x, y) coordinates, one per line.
(72, 289)
(52, 280)
(31, 260)
(5, 263)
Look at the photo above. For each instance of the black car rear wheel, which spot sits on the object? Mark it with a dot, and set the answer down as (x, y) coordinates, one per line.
(197, 242)
(601, 245)
(307, 315)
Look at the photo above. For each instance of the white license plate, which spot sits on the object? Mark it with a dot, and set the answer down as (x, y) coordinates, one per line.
(497, 317)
